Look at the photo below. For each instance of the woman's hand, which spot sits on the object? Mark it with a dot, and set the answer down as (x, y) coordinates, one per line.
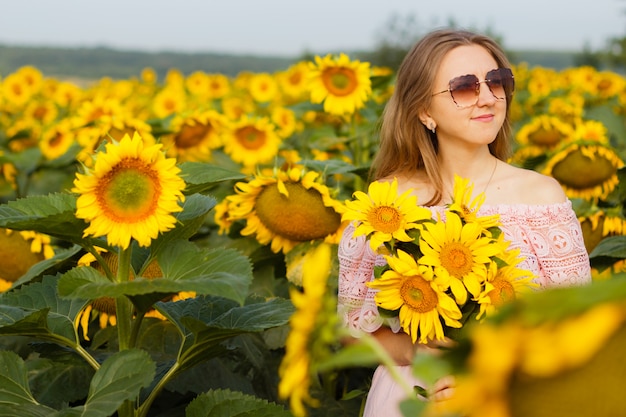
(442, 389)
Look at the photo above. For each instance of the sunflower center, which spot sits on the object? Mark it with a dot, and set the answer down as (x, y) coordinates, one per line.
(385, 219)
(191, 136)
(418, 294)
(104, 305)
(580, 172)
(340, 81)
(300, 217)
(545, 137)
(503, 292)
(250, 137)
(456, 258)
(129, 192)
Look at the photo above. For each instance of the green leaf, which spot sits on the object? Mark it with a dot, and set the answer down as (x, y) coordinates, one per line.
(26, 410)
(185, 266)
(354, 355)
(52, 214)
(120, 378)
(206, 321)
(611, 246)
(189, 221)
(39, 268)
(14, 380)
(61, 378)
(36, 309)
(201, 177)
(226, 403)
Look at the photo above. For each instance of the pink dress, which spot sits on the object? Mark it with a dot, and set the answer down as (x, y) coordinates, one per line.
(549, 237)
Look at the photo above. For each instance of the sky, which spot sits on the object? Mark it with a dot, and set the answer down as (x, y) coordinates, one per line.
(292, 27)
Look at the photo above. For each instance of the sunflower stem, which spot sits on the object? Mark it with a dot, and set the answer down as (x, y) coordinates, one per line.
(145, 407)
(122, 304)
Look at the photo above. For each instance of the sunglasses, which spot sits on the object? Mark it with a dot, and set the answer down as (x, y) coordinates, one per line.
(465, 89)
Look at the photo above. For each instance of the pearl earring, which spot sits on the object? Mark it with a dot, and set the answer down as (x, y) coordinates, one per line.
(432, 127)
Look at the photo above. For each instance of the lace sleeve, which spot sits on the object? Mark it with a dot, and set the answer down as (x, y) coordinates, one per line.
(355, 301)
(554, 242)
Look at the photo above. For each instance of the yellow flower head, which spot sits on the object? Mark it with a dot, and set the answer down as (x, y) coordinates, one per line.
(343, 85)
(252, 140)
(504, 283)
(195, 135)
(130, 194)
(585, 170)
(303, 346)
(459, 252)
(463, 205)
(286, 209)
(384, 215)
(419, 296)
(263, 87)
(545, 131)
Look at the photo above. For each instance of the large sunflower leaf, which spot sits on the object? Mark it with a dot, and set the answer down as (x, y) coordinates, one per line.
(201, 177)
(206, 321)
(226, 403)
(51, 214)
(189, 221)
(39, 268)
(185, 266)
(608, 251)
(37, 310)
(57, 375)
(14, 380)
(120, 378)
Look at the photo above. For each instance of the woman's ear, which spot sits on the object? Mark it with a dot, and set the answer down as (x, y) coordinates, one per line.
(427, 121)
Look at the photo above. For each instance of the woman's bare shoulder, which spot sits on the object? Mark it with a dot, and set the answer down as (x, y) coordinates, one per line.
(525, 186)
(417, 182)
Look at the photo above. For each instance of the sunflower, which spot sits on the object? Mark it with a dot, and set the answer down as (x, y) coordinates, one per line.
(103, 308)
(600, 224)
(292, 82)
(504, 283)
(419, 296)
(285, 120)
(463, 205)
(458, 252)
(195, 135)
(218, 86)
(130, 194)
(57, 140)
(592, 131)
(263, 87)
(170, 100)
(286, 209)
(197, 83)
(16, 90)
(19, 251)
(312, 329)
(343, 85)
(251, 141)
(544, 131)
(383, 215)
(585, 170)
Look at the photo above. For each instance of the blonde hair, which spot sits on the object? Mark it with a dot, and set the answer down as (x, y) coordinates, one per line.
(405, 143)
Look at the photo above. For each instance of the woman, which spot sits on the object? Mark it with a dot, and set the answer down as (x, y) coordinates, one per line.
(449, 114)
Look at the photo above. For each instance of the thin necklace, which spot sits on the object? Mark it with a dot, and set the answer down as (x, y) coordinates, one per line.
(491, 177)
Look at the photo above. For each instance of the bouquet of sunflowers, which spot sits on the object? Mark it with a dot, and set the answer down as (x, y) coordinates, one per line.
(443, 267)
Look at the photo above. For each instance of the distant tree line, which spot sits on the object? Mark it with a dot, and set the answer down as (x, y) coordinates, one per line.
(394, 40)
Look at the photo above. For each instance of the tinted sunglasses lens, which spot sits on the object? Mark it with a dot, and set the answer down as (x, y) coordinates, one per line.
(464, 90)
(500, 82)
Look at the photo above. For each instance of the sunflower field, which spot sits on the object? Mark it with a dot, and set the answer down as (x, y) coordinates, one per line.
(168, 247)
